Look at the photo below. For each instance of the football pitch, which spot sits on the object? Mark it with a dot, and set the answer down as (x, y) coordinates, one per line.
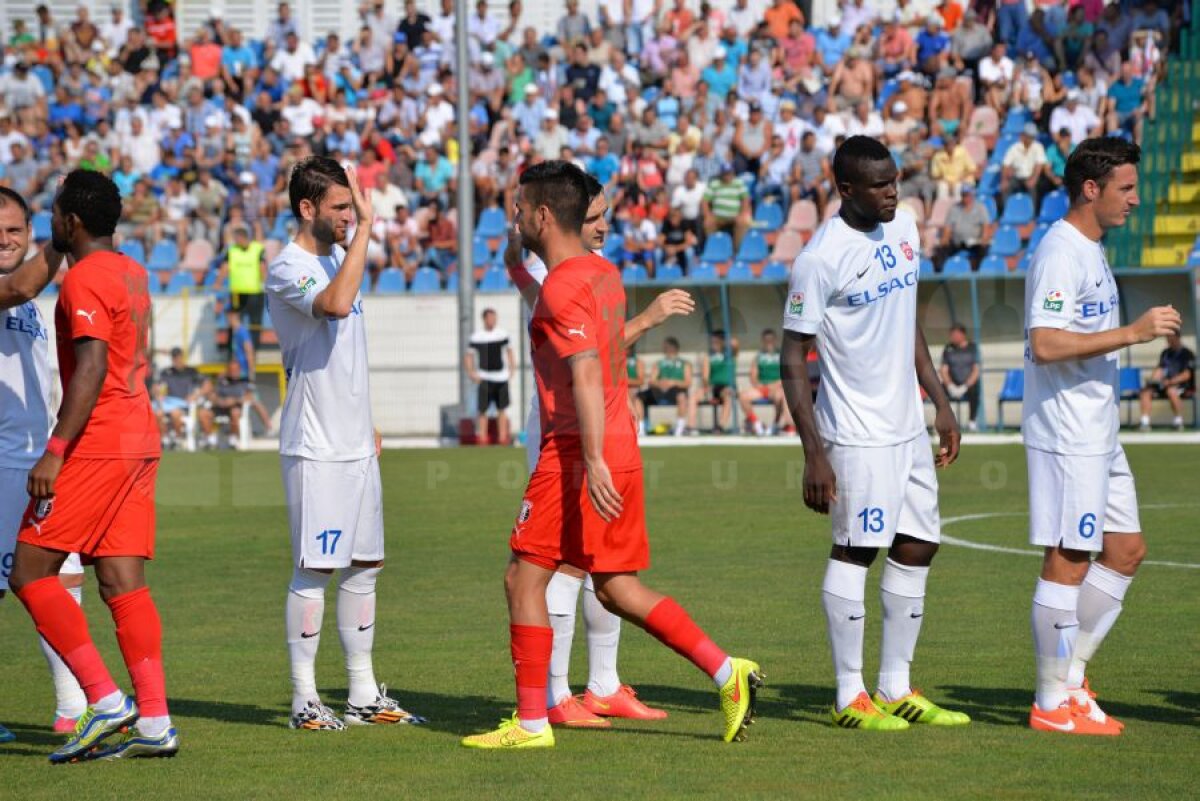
(731, 540)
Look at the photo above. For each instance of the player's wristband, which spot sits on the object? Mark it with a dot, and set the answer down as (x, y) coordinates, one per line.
(521, 277)
(57, 446)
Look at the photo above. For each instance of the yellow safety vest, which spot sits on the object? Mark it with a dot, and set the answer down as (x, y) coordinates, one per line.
(245, 276)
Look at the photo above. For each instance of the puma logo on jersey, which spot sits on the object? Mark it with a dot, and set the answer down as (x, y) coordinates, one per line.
(87, 315)
(577, 331)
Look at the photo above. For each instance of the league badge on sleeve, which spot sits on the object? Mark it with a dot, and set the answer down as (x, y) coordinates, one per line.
(1054, 300)
(795, 305)
(305, 283)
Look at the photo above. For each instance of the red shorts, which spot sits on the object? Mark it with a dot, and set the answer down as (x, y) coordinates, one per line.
(101, 507)
(557, 523)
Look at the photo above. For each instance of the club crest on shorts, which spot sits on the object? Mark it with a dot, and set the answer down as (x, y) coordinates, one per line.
(907, 248)
(43, 508)
(526, 511)
(1054, 300)
(796, 303)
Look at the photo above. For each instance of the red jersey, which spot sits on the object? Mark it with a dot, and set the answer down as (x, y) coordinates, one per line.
(581, 307)
(105, 296)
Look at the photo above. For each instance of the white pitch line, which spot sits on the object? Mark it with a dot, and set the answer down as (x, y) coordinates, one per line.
(980, 546)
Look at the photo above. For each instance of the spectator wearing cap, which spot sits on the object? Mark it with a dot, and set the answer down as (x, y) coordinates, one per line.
(933, 46)
(529, 112)
(779, 16)
(968, 227)
(790, 127)
(1021, 168)
(853, 81)
(551, 138)
(832, 44)
(1126, 103)
(952, 167)
(970, 43)
(727, 205)
(996, 71)
(898, 121)
(948, 106)
(751, 139)
(1080, 120)
(439, 114)
(912, 91)
(720, 75)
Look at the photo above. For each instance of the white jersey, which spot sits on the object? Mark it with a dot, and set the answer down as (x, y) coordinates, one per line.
(25, 386)
(327, 413)
(857, 292)
(1073, 406)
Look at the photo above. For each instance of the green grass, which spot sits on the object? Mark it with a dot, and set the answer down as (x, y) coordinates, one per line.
(732, 541)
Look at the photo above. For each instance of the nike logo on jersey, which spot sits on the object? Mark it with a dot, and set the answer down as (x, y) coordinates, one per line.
(86, 315)
(864, 272)
(577, 331)
(1099, 281)
(304, 635)
(364, 628)
(1061, 626)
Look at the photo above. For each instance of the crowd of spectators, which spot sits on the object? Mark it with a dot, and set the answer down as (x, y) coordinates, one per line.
(693, 116)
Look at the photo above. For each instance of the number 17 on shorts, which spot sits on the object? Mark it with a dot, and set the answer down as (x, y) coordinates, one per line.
(335, 511)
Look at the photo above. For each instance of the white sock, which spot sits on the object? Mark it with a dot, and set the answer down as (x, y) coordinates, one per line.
(534, 726)
(723, 673)
(844, 591)
(1177, 421)
(111, 702)
(305, 610)
(1054, 629)
(562, 596)
(1145, 420)
(153, 727)
(680, 426)
(603, 639)
(70, 702)
(902, 590)
(356, 627)
(1100, 600)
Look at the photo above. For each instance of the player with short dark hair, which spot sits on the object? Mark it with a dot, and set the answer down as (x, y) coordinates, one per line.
(489, 363)
(328, 448)
(25, 421)
(583, 505)
(1082, 498)
(868, 461)
(765, 384)
(92, 491)
(1173, 378)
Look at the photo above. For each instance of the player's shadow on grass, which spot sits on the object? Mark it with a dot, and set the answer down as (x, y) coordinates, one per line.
(229, 713)
(32, 741)
(803, 702)
(1010, 706)
(458, 715)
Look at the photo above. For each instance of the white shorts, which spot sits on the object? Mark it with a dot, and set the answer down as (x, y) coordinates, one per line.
(883, 492)
(1075, 500)
(533, 435)
(13, 502)
(335, 511)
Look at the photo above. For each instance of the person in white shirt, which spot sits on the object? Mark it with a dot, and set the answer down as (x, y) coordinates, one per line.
(1077, 118)
(865, 121)
(996, 77)
(606, 696)
(1022, 165)
(115, 31)
(25, 418)
(482, 28)
(328, 448)
(1082, 498)
(292, 58)
(868, 462)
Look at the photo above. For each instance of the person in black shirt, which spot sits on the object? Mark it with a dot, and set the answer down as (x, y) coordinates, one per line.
(231, 392)
(960, 372)
(413, 24)
(582, 76)
(177, 388)
(1173, 379)
(489, 364)
(675, 238)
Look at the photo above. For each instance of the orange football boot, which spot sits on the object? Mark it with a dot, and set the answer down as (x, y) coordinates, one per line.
(623, 703)
(572, 714)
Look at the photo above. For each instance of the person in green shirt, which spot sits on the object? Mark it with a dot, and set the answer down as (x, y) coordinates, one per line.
(726, 205)
(765, 384)
(635, 371)
(716, 374)
(671, 382)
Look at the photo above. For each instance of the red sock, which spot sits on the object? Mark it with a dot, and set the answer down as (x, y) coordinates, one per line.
(673, 627)
(139, 634)
(531, 647)
(61, 623)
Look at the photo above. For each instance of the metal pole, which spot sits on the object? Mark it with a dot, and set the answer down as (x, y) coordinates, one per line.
(466, 205)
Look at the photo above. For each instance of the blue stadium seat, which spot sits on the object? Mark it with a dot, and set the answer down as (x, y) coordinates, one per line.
(993, 264)
(134, 249)
(452, 282)
(391, 282)
(1012, 391)
(989, 184)
(426, 281)
(1130, 382)
(754, 248)
(179, 282)
(926, 267)
(613, 245)
(1018, 210)
(718, 248)
(1015, 121)
(634, 274)
(989, 203)
(1006, 242)
(46, 76)
(492, 223)
(1036, 237)
(1070, 81)
(1005, 141)
(958, 264)
(164, 257)
(704, 271)
(494, 281)
(1054, 206)
(366, 282)
(41, 226)
(740, 272)
(1026, 259)
(775, 271)
(280, 231)
(481, 253)
(668, 273)
(769, 217)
